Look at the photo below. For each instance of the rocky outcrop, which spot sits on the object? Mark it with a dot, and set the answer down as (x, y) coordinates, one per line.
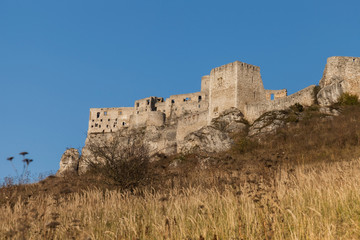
(330, 94)
(215, 137)
(69, 162)
(268, 123)
(207, 139)
(230, 121)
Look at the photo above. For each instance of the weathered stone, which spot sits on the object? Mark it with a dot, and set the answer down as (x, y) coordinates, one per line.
(205, 120)
(330, 94)
(69, 162)
(341, 74)
(231, 120)
(329, 111)
(207, 139)
(268, 123)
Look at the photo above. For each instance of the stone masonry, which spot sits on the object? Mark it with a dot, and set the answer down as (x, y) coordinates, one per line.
(234, 85)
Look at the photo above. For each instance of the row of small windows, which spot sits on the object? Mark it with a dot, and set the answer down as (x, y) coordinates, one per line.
(187, 99)
(106, 113)
(107, 126)
(108, 120)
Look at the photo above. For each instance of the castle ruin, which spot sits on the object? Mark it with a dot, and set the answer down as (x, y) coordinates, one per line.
(236, 84)
(231, 93)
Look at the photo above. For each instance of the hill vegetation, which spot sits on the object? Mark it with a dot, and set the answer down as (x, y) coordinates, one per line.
(300, 182)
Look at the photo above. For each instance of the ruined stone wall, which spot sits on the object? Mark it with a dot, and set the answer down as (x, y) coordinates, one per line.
(305, 97)
(146, 104)
(103, 120)
(276, 94)
(182, 104)
(339, 69)
(190, 123)
(234, 85)
(151, 118)
(205, 84)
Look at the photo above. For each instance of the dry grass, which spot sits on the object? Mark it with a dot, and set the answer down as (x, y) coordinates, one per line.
(320, 201)
(295, 184)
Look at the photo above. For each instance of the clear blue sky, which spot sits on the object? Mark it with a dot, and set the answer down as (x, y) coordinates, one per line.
(60, 58)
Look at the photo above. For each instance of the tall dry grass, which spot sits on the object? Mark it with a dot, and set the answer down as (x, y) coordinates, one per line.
(319, 201)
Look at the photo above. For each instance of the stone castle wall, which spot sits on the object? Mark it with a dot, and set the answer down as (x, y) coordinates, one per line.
(103, 120)
(237, 85)
(275, 94)
(190, 123)
(304, 97)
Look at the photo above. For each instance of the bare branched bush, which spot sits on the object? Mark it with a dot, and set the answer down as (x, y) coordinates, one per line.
(120, 161)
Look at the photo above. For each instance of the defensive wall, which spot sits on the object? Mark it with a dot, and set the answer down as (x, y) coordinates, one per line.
(103, 120)
(191, 123)
(305, 97)
(275, 94)
(339, 69)
(235, 84)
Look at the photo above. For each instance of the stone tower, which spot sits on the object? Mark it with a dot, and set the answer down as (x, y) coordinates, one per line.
(234, 85)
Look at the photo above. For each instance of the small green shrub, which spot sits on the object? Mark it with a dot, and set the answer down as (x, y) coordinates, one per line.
(348, 99)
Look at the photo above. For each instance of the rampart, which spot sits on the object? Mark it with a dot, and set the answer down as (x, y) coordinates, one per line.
(305, 97)
(275, 94)
(104, 120)
(234, 85)
(190, 123)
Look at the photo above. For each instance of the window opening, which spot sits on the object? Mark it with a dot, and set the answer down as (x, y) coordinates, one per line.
(123, 123)
(199, 98)
(172, 101)
(105, 113)
(137, 104)
(272, 97)
(148, 102)
(97, 115)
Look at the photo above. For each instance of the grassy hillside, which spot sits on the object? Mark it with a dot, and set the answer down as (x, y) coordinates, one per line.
(300, 183)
